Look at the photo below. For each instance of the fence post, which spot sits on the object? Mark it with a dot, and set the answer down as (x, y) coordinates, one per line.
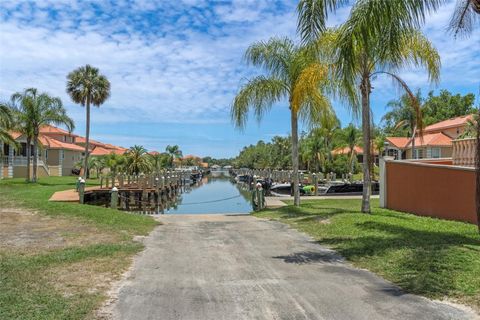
(81, 191)
(383, 180)
(315, 183)
(114, 198)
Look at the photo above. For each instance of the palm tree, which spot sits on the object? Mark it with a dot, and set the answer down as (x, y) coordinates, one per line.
(293, 73)
(6, 124)
(408, 114)
(34, 110)
(114, 162)
(87, 86)
(137, 160)
(352, 137)
(363, 50)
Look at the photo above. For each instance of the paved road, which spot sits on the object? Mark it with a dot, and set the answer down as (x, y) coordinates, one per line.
(239, 267)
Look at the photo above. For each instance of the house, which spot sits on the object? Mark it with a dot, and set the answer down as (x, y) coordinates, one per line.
(58, 153)
(435, 143)
(358, 151)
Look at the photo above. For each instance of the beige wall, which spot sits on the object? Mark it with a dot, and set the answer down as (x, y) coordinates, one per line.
(69, 161)
(53, 157)
(21, 171)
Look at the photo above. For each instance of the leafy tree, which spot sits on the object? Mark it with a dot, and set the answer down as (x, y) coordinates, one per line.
(293, 73)
(446, 105)
(87, 86)
(137, 160)
(32, 111)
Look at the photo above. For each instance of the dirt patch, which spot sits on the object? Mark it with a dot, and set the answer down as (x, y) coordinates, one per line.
(27, 231)
(92, 275)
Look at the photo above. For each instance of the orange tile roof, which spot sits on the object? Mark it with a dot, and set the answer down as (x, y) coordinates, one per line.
(399, 142)
(46, 129)
(346, 150)
(450, 123)
(80, 139)
(99, 151)
(154, 153)
(15, 134)
(434, 139)
(46, 141)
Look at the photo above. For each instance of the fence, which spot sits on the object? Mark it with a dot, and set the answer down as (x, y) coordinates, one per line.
(427, 189)
(463, 153)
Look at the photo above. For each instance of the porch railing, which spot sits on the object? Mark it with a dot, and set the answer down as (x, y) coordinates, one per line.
(463, 153)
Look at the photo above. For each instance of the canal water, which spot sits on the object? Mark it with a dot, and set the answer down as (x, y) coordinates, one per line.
(215, 193)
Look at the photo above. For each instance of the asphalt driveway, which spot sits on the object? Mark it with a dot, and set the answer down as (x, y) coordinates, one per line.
(240, 267)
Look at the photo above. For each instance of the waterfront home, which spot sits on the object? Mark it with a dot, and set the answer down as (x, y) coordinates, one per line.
(357, 150)
(437, 140)
(58, 153)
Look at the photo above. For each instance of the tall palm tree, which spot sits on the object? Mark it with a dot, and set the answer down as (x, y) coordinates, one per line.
(293, 73)
(137, 160)
(361, 54)
(87, 86)
(34, 110)
(372, 17)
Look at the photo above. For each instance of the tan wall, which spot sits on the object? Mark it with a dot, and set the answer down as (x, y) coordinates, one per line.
(441, 191)
(69, 161)
(53, 157)
(21, 171)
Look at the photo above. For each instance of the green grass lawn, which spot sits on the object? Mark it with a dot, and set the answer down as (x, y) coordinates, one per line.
(431, 257)
(76, 251)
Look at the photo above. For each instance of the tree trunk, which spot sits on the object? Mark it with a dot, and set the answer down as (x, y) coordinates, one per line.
(87, 138)
(29, 151)
(35, 156)
(477, 171)
(296, 190)
(413, 142)
(365, 89)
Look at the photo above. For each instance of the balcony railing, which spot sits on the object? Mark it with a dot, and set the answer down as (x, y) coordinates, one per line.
(463, 153)
(19, 161)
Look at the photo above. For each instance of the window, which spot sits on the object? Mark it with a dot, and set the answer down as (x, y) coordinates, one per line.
(46, 154)
(436, 153)
(418, 154)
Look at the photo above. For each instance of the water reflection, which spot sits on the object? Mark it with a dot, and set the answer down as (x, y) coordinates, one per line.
(215, 193)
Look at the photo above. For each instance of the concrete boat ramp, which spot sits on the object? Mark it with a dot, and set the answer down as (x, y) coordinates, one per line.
(240, 267)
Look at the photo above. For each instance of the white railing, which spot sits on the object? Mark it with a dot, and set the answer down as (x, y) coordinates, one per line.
(20, 161)
(463, 153)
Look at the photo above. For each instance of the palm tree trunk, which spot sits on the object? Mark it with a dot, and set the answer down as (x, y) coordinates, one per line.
(87, 138)
(413, 141)
(35, 156)
(477, 171)
(365, 89)
(29, 151)
(296, 190)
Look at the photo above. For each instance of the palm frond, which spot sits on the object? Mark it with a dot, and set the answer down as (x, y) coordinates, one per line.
(272, 55)
(260, 93)
(464, 17)
(312, 17)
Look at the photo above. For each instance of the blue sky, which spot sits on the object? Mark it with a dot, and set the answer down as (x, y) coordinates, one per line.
(175, 66)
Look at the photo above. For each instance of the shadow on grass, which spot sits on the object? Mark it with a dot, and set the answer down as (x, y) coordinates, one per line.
(420, 261)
